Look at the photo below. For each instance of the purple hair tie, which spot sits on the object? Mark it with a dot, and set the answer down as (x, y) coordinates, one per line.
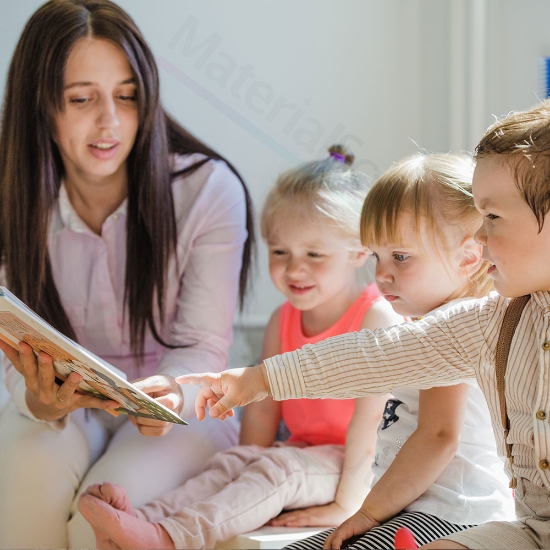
(339, 157)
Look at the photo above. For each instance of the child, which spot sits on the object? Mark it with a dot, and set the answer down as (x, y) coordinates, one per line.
(310, 223)
(427, 260)
(512, 192)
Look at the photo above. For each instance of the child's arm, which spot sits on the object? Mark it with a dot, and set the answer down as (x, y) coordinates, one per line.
(435, 352)
(259, 421)
(418, 464)
(356, 475)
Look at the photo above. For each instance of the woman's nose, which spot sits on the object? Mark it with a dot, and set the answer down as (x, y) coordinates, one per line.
(107, 116)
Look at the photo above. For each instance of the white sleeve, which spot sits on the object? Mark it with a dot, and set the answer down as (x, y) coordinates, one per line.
(440, 350)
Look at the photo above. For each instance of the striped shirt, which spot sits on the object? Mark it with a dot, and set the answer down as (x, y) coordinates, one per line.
(441, 350)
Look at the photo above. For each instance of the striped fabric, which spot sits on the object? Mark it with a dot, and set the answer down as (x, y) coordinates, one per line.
(424, 527)
(440, 350)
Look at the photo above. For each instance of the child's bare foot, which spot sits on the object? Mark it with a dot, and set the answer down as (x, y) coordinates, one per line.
(115, 523)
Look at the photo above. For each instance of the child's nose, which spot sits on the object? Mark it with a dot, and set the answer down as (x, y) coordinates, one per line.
(480, 236)
(294, 265)
(383, 274)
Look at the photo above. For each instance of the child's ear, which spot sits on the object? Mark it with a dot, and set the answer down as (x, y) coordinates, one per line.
(471, 256)
(360, 256)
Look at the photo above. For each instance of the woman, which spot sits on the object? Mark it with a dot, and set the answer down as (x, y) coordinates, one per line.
(127, 234)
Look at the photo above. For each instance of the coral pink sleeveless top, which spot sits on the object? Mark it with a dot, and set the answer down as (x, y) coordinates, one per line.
(320, 421)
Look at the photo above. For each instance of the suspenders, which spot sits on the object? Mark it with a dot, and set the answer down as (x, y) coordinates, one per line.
(509, 324)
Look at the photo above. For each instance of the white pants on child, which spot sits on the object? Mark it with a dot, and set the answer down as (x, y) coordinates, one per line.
(43, 471)
(243, 488)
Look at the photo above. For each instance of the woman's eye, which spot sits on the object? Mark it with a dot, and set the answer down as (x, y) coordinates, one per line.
(491, 217)
(78, 100)
(128, 97)
(314, 254)
(400, 257)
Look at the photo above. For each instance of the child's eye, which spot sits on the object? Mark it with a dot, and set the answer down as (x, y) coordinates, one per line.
(277, 252)
(375, 255)
(78, 100)
(491, 217)
(314, 254)
(400, 257)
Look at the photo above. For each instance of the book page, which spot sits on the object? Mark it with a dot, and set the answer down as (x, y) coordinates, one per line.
(22, 324)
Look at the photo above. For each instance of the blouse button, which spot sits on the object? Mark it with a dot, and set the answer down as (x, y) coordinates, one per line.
(546, 346)
(541, 415)
(544, 464)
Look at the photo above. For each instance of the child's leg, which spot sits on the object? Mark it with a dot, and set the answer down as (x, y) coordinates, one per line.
(40, 470)
(115, 523)
(148, 467)
(531, 530)
(424, 527)
(444, 545)
(264, 483)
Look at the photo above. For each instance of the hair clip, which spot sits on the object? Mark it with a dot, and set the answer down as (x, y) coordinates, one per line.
(339, 157)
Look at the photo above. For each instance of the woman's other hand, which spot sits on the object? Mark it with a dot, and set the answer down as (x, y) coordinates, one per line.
(45, 398)
(167, 392)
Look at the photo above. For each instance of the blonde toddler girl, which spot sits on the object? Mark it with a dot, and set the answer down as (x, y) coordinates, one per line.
(311, 225)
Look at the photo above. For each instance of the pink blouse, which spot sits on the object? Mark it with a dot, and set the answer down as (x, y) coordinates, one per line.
(202, 285)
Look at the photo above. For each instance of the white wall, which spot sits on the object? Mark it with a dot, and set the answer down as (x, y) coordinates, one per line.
(374, 73)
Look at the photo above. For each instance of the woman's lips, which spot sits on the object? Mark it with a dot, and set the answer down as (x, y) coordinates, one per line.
(104, 149)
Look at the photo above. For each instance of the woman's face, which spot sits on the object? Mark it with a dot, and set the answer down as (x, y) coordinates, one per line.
(97, 128)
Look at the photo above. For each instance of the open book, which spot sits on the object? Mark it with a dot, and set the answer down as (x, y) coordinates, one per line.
(18, 322)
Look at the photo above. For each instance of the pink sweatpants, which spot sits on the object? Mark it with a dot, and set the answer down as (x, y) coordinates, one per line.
(243, 488)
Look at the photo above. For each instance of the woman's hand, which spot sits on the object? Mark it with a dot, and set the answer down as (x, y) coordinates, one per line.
(45, 398)
(358, 524)
(315, 516)
(222, 392)
(166, 391)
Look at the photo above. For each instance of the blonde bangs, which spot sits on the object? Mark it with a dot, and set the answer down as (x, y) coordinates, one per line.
(399, 190)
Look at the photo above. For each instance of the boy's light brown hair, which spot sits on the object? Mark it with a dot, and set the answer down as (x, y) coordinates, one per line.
(436, 190)
(522, 140)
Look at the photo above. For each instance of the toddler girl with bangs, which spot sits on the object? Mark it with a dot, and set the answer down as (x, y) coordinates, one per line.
(311, 225)
(436, 468)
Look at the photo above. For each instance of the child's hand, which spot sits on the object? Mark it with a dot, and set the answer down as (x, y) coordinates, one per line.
(358, 524)
(223, 391)
(315, 516)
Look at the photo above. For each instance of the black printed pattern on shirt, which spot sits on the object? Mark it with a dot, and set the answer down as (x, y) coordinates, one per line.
(389, 417)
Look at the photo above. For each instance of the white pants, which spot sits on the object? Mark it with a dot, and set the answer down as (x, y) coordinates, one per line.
(243, 488)
(43, 471)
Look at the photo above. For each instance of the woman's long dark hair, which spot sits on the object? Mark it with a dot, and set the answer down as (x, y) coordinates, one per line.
(31, 168)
